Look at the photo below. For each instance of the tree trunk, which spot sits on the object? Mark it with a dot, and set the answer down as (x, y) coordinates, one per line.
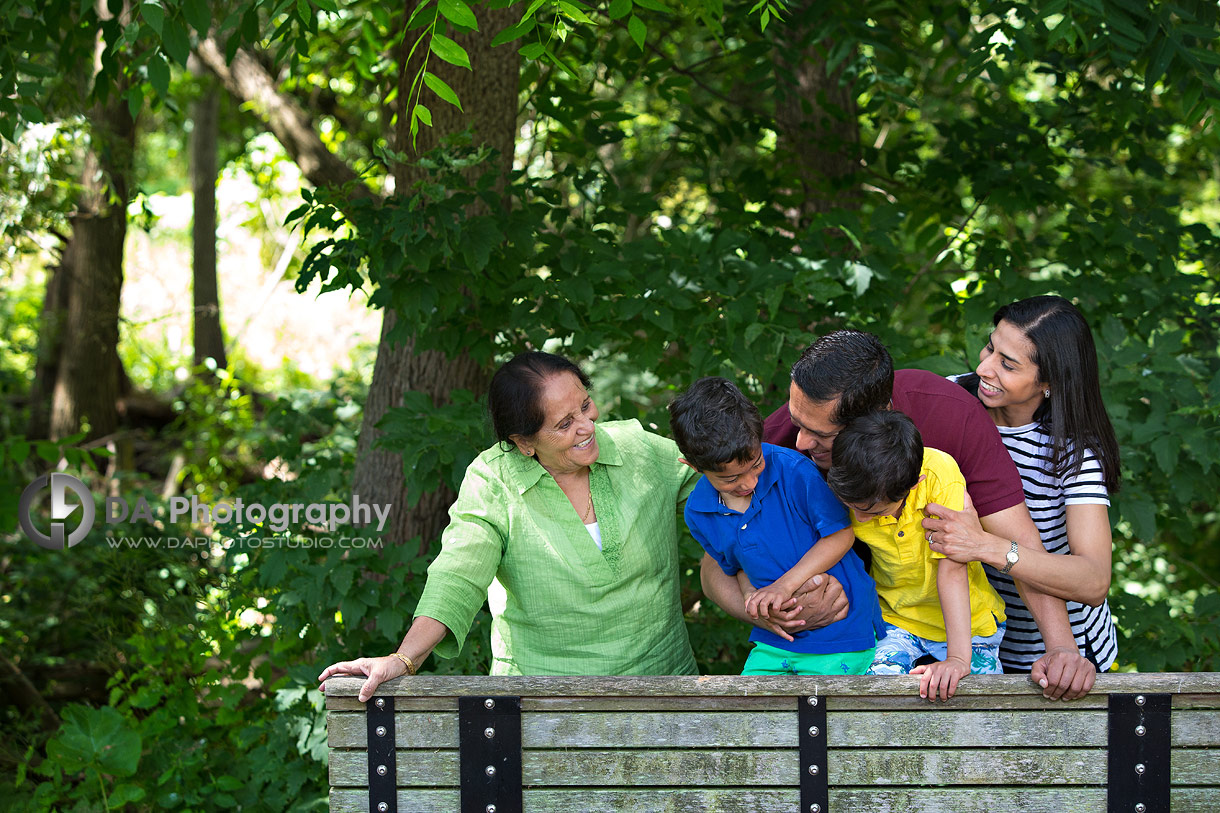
(87, 384)
(816, 122)
(208, 336)
(489, 93)
(51, 324)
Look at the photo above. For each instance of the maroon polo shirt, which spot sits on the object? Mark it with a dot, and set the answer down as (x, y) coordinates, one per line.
(950, 419)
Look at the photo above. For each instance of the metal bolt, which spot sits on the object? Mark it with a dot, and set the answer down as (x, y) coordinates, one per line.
(490, 770)
(381, 702)
(815, 808)
(489, 703)
(381, 770)
(1139, 700)
(813, 770)
(1139, 807)
(1140, 731)
(814, 731)
(489, 732)
(490, 809)
(813, 701)
(379, 731)
(383, 806)
(1139, 769)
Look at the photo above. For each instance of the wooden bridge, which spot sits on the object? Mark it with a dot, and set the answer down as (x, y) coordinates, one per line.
(1141, 743)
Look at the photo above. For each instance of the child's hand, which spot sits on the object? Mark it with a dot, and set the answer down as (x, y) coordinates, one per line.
(766, 600)
(941, 676)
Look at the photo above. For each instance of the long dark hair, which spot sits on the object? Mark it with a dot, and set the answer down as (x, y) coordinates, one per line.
(1074, 416)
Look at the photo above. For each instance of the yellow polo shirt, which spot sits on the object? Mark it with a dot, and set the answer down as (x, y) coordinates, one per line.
(904, 567)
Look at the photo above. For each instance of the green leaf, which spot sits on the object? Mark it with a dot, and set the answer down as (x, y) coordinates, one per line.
(176, 41)
(458, 13)
(637, 30)
(449, 51)
(574, 12)
(513, 32)
(123, 795)
(533, 50)
(342, 578)
(441, 89)
(619, 9)
(158, 75)
(95, 738)
(19, 451)
(199, 14)
(422, 113)
(154, 15)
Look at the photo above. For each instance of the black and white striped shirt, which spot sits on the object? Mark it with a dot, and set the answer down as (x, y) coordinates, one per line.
(1047, 498)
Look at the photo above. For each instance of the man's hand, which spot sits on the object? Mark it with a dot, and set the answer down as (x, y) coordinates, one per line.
(821, 602)
(1064, 674)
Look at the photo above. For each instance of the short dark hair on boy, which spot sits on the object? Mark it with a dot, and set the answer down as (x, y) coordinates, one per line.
(715, 424)
(850, 365)
(876, 459)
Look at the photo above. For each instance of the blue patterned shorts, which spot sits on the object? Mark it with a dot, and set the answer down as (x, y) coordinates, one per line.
(899, 649)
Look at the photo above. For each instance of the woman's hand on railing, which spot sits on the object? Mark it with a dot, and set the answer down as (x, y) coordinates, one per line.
(377, 670)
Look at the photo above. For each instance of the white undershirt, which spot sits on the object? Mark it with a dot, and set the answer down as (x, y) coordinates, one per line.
(595, 531)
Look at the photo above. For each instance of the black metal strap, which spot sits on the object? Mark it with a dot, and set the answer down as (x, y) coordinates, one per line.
(1139, 753)
(383, 796)
(815, 793)
(489, 743)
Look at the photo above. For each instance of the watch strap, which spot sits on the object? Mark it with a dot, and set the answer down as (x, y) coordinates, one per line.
(1011, 557)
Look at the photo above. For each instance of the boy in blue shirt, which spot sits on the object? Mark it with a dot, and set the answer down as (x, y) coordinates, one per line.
(765, 515)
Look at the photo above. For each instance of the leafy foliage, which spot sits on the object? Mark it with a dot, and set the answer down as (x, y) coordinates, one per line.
(652, 228)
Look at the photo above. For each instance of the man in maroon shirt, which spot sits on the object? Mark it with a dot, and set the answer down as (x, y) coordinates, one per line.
(849, 373)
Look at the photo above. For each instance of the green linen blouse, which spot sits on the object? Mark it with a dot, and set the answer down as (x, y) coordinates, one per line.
(559, 605)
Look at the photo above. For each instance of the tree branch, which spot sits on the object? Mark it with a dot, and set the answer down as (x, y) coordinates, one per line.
(250, 82)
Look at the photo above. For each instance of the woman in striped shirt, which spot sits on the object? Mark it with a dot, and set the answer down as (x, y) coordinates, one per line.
(1037, 377)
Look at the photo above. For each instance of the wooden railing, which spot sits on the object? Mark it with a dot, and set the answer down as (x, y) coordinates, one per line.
(1138, 742)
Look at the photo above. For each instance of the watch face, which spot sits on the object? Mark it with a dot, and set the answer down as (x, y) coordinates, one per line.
(1012, 557)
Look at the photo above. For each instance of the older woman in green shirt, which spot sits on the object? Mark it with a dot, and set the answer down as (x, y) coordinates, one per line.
(568, 529)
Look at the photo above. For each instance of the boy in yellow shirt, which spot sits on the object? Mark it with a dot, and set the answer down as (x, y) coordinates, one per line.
(931, 605)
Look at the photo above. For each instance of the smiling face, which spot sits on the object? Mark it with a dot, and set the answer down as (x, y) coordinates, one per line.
(737, 479)
(566, 442)
(1010, 384)
(816, 432)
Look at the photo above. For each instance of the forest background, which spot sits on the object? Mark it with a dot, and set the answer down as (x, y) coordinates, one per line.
(661, 190)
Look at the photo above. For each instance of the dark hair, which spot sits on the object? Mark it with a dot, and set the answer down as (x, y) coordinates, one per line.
(876, 458)
(714, 424)
(851, 365)
(1075, 415)
(515, 396)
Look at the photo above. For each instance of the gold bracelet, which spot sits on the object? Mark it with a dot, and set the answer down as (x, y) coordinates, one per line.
(410, 664)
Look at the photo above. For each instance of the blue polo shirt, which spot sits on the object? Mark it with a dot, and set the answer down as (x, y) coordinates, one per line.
(792, 508)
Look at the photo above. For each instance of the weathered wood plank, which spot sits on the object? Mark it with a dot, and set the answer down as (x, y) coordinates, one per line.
(750, 800)
(724, 729)
(729, 685)
(918, 766)
(969, 729)
(761, 703)
(411, 730)
(1194, 766)
(762, 767)
(1195, 729)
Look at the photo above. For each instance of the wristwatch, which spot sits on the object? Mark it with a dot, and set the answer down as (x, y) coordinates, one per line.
(1011, 557)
